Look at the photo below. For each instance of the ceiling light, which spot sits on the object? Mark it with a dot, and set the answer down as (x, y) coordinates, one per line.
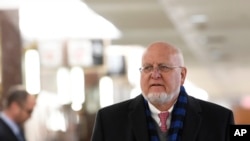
(9, 4)
(60, 19)
(199, 18)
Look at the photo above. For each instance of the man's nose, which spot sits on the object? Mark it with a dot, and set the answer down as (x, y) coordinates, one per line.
(156, 73)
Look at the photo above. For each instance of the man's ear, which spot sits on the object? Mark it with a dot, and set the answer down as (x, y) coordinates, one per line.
(183, 74)
(14, 106)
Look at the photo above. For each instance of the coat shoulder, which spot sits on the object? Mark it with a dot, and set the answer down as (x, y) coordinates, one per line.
(123, 106)
(209, 108)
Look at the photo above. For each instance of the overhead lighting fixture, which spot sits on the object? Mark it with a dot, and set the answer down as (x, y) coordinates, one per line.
(106, 89)
(199, 18)
(32, 71)
(63, 19)
(9, 4)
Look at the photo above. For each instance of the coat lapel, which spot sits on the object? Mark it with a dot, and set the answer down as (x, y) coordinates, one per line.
(137, 119)
(7, 131)
(192, 121)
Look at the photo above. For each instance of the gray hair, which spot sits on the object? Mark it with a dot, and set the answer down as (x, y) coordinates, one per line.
(16, 93)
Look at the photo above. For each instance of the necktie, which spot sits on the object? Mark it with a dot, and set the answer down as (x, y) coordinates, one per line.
(163, 119)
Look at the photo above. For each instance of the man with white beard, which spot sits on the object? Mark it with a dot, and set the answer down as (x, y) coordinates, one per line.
(164, 111)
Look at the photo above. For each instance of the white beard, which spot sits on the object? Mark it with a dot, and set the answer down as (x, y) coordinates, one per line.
(160, 98)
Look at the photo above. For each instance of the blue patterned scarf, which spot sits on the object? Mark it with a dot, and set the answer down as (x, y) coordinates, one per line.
(178, 115)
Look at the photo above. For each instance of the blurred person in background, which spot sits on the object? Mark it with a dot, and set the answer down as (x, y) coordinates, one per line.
(17, 108)
(164, 111)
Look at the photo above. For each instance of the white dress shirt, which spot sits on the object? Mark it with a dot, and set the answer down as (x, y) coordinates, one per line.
(155, 112)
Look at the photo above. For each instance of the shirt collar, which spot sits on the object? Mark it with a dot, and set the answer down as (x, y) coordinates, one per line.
(155, 112)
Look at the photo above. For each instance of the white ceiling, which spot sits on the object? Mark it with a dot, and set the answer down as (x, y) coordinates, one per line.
(216, 50)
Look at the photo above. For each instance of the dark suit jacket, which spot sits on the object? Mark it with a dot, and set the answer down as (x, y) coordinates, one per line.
(6, 134)
(126, 121)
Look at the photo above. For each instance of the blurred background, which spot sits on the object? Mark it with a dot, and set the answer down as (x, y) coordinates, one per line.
(80, 55)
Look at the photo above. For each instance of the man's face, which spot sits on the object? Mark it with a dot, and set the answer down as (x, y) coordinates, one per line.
(161, 84)
(25, 111)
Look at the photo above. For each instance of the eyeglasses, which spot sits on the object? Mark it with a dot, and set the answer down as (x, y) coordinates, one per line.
(160, 68)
